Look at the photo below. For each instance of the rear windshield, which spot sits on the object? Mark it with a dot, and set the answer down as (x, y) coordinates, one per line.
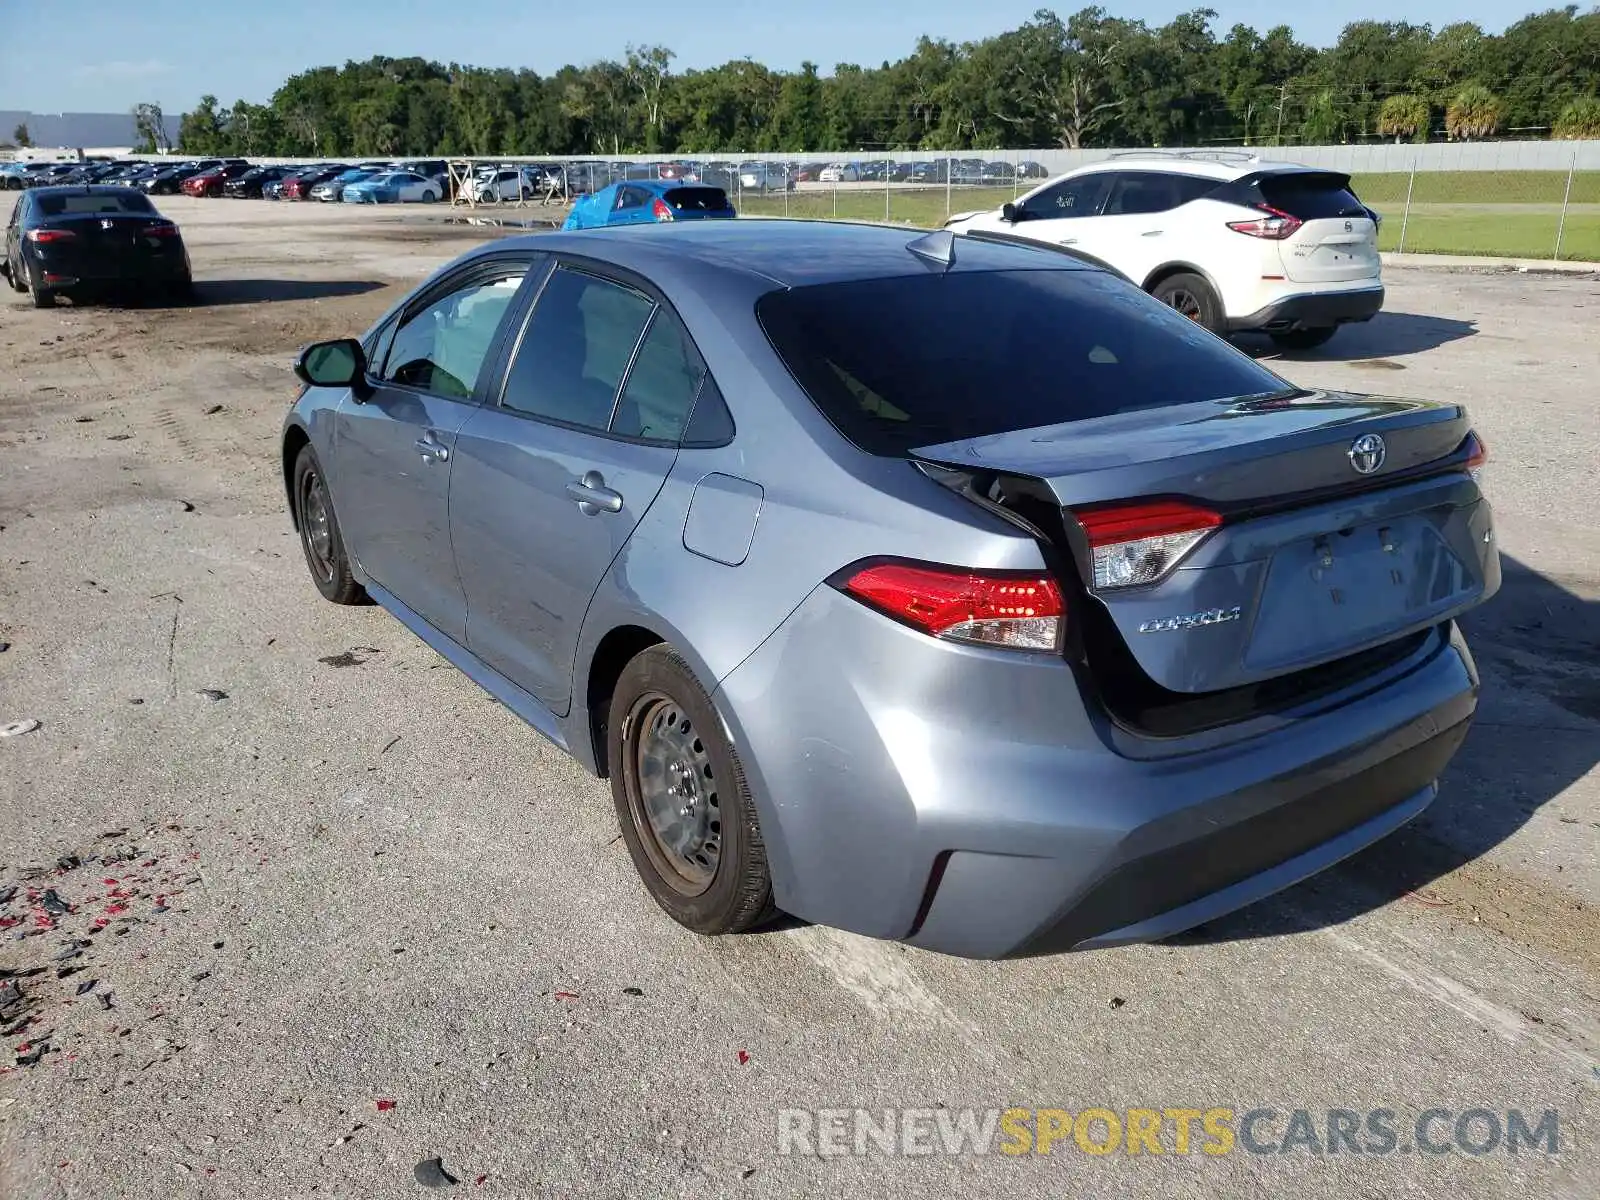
(1312, 195)
(93, 202)
(919, 360)
(697, 199)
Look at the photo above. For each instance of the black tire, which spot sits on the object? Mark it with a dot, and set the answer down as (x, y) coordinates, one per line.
(1193, 297)
(18, 284)
(320, 538)
(180, 292)
(728, 890)
(43, 297)
(1304, 339)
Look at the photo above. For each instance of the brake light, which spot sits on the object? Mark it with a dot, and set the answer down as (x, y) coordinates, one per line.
(1477, 453)
(660, 211)
(1018, 611)
(163, 229)
(40, 237)
(1139, 543)
(1275, 226)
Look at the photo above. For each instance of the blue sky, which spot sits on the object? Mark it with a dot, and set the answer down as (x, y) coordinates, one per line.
(174, 51)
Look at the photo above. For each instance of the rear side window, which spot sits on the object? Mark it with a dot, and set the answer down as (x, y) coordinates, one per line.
(1155, 192)
(696, 199)
(918, 360)
(93, 202)
(1311, 195)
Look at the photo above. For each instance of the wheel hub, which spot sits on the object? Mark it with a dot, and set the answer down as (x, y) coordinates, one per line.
(676, 796)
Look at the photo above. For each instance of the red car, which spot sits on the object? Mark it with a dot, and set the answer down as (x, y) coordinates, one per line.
(209, 183)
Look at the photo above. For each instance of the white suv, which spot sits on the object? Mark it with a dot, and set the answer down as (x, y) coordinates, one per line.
(1228, 240)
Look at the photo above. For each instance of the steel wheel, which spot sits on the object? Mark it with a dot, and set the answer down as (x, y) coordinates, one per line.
(673, 791)
(316, 529)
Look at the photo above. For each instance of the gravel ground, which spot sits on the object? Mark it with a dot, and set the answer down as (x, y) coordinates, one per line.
(344, 877)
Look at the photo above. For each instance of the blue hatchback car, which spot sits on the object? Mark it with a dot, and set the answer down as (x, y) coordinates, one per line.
(646, 201)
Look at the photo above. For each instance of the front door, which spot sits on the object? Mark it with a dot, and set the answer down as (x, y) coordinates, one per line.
(394, 451)
(551, 482)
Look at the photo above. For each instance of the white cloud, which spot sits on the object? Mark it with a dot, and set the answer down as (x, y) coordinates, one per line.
(123, 69)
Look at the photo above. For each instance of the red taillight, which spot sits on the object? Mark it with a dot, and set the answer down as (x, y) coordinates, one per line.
(164, 229)
(660, 211)
(1138, 543)
(1477, 451)
(1275, 226)
(44, 236)
(1019, 611)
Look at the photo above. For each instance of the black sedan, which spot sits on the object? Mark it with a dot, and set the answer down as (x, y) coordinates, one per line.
(70, 240)
(249, 185)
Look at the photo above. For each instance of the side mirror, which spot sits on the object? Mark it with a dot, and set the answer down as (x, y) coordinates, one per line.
(1009, 213)
(339, 363)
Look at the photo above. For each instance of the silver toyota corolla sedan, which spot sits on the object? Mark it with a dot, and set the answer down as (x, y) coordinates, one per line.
(945, 590)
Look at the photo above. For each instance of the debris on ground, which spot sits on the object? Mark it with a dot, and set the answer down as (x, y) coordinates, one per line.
(632, 991)
(18, 728)
(212, 693)
(212, 411)
(385, 1105)
(744, 1057)
(352, 657)
(430, 1172)
(1117, 1002)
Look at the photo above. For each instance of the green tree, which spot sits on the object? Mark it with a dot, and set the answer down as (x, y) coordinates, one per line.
(1404, 117)
(1473, 114)
(799, 122)
(21, 136)
(649, 70)
(203, 132)
(1579, 119)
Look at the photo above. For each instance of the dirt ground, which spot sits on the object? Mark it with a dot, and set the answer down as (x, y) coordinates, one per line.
(324, 912)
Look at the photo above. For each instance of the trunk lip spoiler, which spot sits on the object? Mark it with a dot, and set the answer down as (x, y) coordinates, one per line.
(1232, 511)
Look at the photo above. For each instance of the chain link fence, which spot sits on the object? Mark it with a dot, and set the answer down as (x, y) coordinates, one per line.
(1536, 200)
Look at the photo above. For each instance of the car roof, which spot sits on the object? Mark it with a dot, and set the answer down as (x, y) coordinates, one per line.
(86, 189)
(791, 253)
(1225, 169)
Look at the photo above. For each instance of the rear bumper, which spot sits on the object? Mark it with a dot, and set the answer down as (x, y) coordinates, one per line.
(971, 802)
(1313, 310)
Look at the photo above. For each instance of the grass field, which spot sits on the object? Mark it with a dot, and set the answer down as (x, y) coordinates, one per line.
(1510, 214)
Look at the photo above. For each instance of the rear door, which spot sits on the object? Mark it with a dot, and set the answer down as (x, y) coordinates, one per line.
(551, 480)
(1337, 241)
(393, 451)
(1141, 226)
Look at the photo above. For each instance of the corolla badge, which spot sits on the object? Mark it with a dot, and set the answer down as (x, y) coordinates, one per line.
(1367, 453)
(1194, 620)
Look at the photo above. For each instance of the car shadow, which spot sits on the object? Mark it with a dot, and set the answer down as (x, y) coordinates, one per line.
(216, 293)
(1537, 645)
(1388, 334)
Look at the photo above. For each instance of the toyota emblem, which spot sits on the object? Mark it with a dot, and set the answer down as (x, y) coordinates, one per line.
(1367, 453)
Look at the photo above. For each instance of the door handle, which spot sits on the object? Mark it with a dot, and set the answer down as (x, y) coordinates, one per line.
(593, 496)
(432, 449)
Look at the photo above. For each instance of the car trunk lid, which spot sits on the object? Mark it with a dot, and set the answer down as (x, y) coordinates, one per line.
(1324, 542)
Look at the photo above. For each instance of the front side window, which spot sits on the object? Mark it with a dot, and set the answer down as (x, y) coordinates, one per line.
(575, 349)
(1079, 197)
(441, 347)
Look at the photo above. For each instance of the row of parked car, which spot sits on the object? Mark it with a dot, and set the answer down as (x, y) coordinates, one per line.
(429, 180)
